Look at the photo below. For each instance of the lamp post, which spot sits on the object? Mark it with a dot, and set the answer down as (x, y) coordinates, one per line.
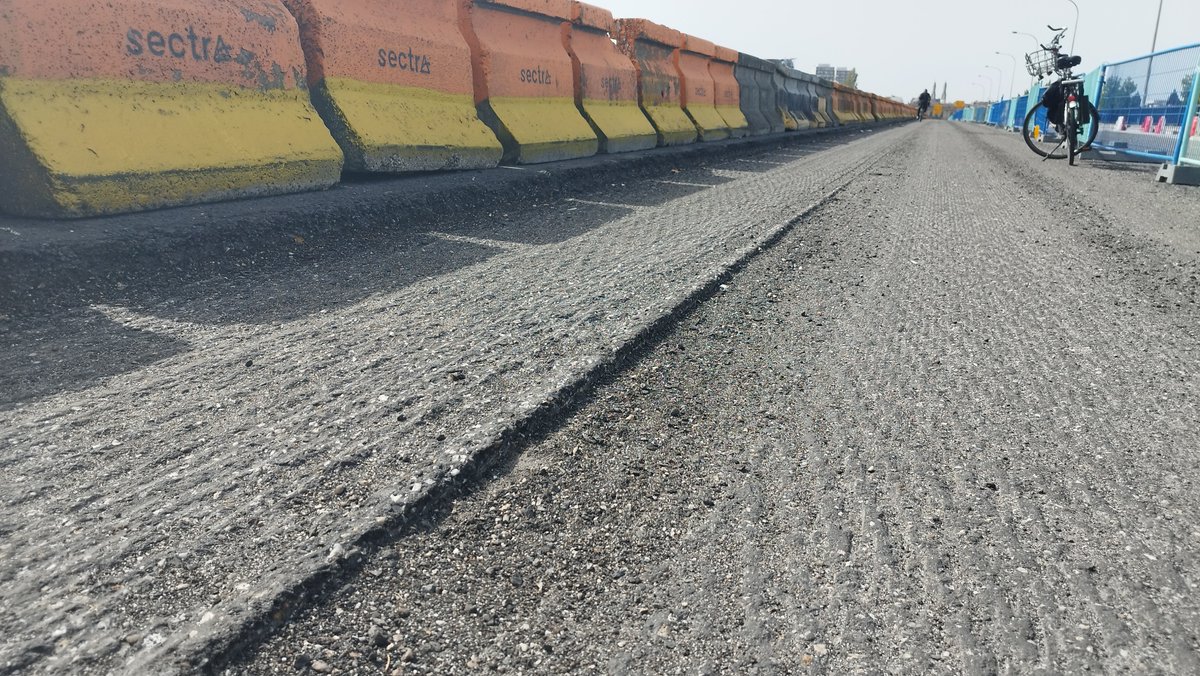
(988, 94)
(999, 80)
(1012, 82)
(1076, 30)
(1031, 36)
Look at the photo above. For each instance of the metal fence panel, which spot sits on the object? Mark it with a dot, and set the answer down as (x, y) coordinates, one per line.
(1144, 103)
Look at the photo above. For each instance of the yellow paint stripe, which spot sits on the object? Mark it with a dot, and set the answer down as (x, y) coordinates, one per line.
(734, 119)
(712, 125)
(83, 147)
(545, 130)
(395, 128)
(673, 125)
(620, 120)
(98, 127)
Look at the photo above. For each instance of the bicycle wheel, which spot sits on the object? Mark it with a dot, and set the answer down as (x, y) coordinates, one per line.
(1055, 152)
(1093, 128)
(1072, 124)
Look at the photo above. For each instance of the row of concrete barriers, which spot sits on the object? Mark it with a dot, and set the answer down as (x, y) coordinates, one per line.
(130, 105)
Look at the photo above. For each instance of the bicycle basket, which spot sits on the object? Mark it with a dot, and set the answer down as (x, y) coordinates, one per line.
(1040, 63)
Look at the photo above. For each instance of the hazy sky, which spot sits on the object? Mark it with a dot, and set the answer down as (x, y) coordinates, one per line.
(900, 48)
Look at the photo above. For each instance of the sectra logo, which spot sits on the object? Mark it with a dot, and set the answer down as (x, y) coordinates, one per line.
(185, 45)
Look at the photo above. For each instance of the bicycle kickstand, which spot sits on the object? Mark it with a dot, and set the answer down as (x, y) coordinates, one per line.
(1060, 144)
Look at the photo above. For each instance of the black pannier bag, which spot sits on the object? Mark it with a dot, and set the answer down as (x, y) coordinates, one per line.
(1085, 110)
(1055, 103)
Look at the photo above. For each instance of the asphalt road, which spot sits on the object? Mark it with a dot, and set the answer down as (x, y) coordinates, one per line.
(909, 403)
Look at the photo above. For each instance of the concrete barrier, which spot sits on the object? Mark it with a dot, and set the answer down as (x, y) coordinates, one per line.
(652, 48)
(606, 82)
(125, 105)
(728, 94)
(843, 105)
(394, 87)
(698, 91)
(759, 97)
(524, 81)
(823, 90)
(792, 98)
(808, 85)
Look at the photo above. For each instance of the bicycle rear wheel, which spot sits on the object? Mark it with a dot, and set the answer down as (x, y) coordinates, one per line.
(1056, 152)
(1093, 128)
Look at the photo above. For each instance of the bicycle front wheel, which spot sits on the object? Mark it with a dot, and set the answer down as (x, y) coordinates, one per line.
(1072, 134)
(1035, 143)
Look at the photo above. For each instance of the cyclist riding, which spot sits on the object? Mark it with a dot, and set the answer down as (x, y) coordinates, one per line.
(923, 104)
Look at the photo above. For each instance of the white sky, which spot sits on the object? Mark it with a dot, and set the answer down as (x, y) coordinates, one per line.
(900, 48)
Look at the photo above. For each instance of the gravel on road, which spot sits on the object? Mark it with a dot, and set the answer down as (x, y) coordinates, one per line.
(180, 461)
(946, 424)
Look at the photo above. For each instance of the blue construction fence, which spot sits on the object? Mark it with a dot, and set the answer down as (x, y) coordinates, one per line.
(1147, 105)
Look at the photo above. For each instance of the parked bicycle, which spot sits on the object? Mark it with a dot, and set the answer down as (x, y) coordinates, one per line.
(1067, 107)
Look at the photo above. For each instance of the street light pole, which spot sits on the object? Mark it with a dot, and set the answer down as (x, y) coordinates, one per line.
(1076, 31)
(988, 95)
(1031, 36)
(999, 80)
(1153, 46)
(1012, 82)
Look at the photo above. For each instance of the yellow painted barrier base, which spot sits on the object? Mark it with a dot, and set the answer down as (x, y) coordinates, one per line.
(735, 120)
(623, 126)
(540, 130)
(673, 125)
(93, 147)
(390, 128)
(710, 123)
(799, 121)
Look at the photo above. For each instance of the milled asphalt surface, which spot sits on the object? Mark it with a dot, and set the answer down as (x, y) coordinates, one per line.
(944, 423)
(182, 454)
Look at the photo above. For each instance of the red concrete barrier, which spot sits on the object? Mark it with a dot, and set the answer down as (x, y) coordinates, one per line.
(727, 91)
(524, 81)
(606, 82)
(698, 91)
(124, 105)
(652, 48)
(394, 86)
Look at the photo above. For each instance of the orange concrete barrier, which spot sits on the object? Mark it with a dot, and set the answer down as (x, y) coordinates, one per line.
(697, 89)
(124, 105)
(394, 86)
(728, 92)
(843, 105)
(652, 48)
(524, 82)
(606, 82)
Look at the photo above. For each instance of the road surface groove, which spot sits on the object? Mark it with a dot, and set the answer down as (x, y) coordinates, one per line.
(269, 420)
(938, 428)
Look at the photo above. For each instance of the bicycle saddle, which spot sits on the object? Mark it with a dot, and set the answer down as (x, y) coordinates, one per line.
(1066, 62)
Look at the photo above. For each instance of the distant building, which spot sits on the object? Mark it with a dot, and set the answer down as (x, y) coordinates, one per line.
(839, 74)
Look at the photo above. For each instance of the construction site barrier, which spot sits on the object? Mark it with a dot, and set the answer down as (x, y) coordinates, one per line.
(126, 105)
(606, 88)
(652, 49)
(697, 89)
(524, 79)
(755, 78)
(394, 87)
(843, 105)
(793, 98)
(728, 94)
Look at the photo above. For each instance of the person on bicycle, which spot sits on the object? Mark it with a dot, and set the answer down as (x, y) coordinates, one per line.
(923, 104)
